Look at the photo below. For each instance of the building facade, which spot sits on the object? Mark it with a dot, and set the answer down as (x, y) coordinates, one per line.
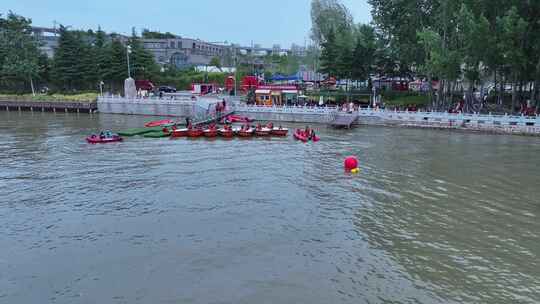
(184, 52)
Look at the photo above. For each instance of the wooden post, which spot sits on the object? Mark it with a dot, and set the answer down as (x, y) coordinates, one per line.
(19, 108)
(42, 109)
(54, 110)
(65, 110)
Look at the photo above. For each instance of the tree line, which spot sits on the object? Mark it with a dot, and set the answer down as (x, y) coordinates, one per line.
(82, 61)
(469, 46)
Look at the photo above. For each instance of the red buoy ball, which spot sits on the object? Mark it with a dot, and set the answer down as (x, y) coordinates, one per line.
(351, 163)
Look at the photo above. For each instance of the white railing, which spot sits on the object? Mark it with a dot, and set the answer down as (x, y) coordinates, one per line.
(142, 100)
(285, 109)
(404, 116)
(443, 117)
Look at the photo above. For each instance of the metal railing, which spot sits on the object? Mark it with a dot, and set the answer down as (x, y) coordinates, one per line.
(286, 109)
(443, 117)
(164, 100)
(405, 116)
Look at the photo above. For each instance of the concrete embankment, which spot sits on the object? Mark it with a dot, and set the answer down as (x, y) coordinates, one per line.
(181, 106)
(302, 117)
(500, 124)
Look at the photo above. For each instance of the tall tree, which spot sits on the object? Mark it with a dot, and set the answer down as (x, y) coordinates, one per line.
(116, 70)
(326, 17)
(473, 33)
(513, 29)
(142, 62)
(363, 55)
(329, 54)
(68, 66)
(19, 51)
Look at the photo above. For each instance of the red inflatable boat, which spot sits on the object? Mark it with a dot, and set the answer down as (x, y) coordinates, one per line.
(211, 132)
(195, 133)
(158, 123)
(301, 135)
(96, 139)
(179, 133)
(279, 131)
(246, 132)
(226, 132)
(237, 119)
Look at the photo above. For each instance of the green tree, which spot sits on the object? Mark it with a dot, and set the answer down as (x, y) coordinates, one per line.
(326, 17)
(363, 54)
(19, 53)
(70, 60)
(329, 53)
(215, 61)
(513, 29)
(473, 33)
(142, 62)
(102, 54)
(116, 70)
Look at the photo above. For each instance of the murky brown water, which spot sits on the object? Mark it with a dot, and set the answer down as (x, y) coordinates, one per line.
(434, 217)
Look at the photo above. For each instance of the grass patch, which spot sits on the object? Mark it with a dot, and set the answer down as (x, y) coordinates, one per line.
(84, 97)
(406, 99)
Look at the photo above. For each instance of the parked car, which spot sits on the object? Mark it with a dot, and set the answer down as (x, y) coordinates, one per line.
(167, 89)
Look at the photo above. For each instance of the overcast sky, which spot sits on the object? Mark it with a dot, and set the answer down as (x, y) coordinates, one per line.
(239, 21)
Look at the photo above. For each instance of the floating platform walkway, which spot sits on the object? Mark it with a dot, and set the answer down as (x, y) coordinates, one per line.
(44, 106)
(212, 119)
(156, 134)
(344, 120)
(139, 131)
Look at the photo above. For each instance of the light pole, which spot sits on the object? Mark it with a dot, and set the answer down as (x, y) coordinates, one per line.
(101, 84)
(235, 72)
(128, 51)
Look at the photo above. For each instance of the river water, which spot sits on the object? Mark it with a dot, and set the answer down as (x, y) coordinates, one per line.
(434, 216)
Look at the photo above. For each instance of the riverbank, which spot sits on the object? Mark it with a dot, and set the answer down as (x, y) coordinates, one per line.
(84, 97)
(500, 124)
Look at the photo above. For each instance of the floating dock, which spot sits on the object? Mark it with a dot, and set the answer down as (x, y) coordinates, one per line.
(344, 120)
(139, 131)
(52, 106)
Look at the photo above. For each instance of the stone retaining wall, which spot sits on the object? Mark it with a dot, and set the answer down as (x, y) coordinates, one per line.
(501, 124)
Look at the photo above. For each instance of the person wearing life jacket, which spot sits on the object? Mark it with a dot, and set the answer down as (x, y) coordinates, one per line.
(307, 131)
(270, 125)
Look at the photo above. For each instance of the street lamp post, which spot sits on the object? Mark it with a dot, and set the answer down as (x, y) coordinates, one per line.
(235, 73)
(101, 84)
(128, 51)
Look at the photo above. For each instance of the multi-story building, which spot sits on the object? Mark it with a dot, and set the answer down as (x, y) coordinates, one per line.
(298, 51)
(184, 52)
